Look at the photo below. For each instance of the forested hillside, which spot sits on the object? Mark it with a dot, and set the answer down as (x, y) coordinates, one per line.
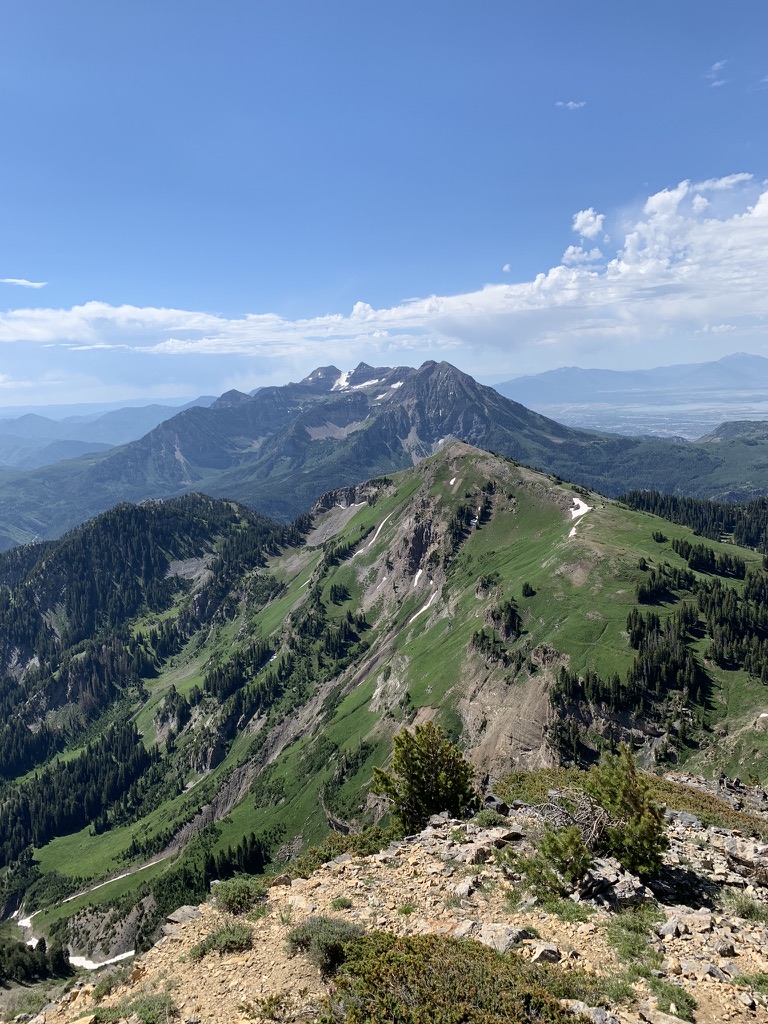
(203, 689)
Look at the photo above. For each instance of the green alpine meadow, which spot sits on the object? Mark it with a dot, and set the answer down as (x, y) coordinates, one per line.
(192, 691)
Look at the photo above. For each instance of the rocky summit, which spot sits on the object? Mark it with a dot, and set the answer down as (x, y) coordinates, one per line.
(656, 955)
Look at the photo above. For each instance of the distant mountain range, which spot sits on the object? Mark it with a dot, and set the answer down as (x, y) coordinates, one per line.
(688, 399)
(31, 440)
(279, 449)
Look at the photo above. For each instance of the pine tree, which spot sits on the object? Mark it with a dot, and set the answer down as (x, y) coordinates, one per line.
(429, 775)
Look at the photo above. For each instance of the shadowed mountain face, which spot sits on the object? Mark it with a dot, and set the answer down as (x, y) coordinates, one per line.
(282, 447)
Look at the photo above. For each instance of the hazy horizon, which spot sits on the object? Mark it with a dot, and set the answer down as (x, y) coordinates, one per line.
(202, 197)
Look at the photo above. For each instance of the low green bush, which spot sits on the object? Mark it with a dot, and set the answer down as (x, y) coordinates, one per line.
(324, 940)
(630, 935)
(567, 852)
(667, 993)
(241, 893)
(155, 1008)
(231, 938)
(434, 979)
(361, 844)
(742, 904)
(108, 982)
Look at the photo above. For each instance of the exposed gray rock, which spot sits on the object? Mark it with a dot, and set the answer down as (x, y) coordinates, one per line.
(501, 937)
(683, 818)
(183, 914)
(607, 882)
(670, 928)
(724, 947)
(597, 1014)
(465, 888)
(749, 858)
(493, 803)
(546, 953)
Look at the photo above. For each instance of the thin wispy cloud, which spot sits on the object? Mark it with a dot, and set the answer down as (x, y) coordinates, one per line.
(715, 74)
(571, 104)
(688, 260)
(22, 282)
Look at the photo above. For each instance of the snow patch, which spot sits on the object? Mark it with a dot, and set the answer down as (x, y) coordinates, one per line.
(416, 577)
(90, 965)
(379, 397)
(581, 508)
(378, 530)
(341, 382)
(398, 385)
(576, 513)
(432, 597)
(366, 384)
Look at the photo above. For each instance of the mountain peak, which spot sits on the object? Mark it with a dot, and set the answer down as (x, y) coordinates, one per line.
(230, 399)
(321, 373)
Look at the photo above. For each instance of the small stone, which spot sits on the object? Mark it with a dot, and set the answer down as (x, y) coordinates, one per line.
(674, 966)
(670, 928)
(546, 953)
(501, 937)
(724, 947)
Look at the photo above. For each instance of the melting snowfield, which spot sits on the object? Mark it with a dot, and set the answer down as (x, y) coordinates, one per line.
(576, 513)
(378, 530)
(91, 965)
(432, 597)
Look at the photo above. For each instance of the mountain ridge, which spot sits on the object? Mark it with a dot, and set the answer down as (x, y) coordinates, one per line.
(281, 448)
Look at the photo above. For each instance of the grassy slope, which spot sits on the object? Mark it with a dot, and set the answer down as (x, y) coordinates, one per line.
(585, 587)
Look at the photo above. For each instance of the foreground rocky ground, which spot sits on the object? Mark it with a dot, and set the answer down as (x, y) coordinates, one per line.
(450, 879)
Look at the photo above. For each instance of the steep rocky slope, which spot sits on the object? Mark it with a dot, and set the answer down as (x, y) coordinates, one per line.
(261, 672)
(450, 880)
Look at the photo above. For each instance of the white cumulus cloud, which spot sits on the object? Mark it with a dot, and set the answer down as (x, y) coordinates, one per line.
(571, 104)
(587, 223)
(575, 254)
(683, 279)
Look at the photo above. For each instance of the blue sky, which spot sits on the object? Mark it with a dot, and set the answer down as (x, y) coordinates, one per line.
(196, 196)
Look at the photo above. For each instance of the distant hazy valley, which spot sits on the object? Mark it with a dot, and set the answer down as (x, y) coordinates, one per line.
(684, 401)
(280, 448)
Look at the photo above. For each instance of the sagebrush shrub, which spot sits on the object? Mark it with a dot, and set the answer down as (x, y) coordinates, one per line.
(324, 940)
(241, 893)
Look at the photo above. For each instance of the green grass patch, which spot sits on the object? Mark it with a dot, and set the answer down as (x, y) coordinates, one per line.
(148, 1008)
